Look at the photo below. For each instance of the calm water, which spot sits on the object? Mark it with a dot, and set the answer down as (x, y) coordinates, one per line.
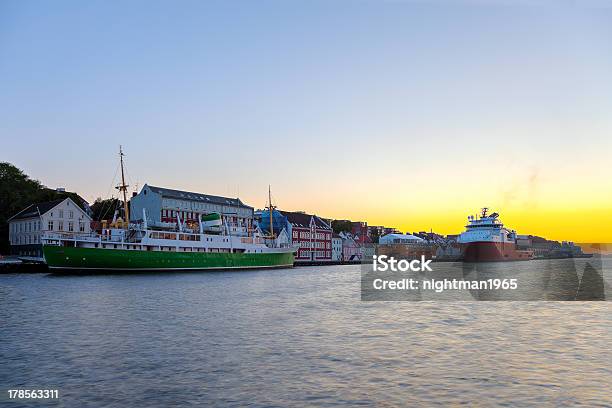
(292, 337)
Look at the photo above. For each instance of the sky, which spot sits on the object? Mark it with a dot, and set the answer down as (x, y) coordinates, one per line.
(411, 114)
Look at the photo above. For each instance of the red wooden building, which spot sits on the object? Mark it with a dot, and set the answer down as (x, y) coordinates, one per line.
(312, 234)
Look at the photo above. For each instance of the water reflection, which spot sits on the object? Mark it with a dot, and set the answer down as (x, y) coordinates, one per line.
(299, 337)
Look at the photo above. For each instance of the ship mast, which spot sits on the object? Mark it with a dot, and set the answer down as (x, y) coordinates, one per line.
(123, 187)
(270, 209)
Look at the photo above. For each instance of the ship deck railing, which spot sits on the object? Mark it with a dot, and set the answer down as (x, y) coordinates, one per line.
(88, 237)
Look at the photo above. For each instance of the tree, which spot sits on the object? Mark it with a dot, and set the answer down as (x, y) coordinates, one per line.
(18, 191)
(341, 226)
(105, 209)
(374, 235)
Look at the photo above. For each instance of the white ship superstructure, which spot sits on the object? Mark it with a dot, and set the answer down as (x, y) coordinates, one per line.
(486, 239)
(486, 228)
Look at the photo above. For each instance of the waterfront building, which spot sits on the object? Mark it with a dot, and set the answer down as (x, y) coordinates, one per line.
(352, 250)
(167, 207)
(406, 246)
(379, 231)
(62, 216)
(360, 232)
(400, 239)
(448, 250)
(311, 234)
(542, 247)
(336, 248)
(524, 241)
(429, 236)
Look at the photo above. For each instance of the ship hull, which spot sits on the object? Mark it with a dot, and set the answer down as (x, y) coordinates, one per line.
(61, 258)
(494, 252)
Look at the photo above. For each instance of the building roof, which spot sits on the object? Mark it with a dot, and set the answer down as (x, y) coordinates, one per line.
(34, 210)
(408, 237)
(301, 219)
(206, 198)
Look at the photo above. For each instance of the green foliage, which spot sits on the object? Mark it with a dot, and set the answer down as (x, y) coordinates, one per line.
(105, 209)
(374, 235)
(17, 191)
(341, 226)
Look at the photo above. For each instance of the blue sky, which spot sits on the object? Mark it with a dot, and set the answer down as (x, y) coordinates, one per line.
(464, 101)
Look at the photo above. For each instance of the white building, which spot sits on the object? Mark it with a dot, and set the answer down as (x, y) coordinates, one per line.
(352, 250)
(391, 239)
(61, 216)
(165, 206)
(336, 248)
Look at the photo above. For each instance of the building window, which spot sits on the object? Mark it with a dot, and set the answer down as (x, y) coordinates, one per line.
(70, 214)
(70, 226)
(61, 213)
(50, 225)
(82, 226)
(60, 226)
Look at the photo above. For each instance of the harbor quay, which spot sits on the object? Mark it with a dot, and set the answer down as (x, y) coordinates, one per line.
(161, 228)
(176, 222)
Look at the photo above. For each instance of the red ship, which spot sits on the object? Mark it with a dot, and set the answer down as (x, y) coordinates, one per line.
(487, 240)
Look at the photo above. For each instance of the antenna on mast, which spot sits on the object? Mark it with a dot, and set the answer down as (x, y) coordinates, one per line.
(123, 188)
(484, 212)
(270, 209)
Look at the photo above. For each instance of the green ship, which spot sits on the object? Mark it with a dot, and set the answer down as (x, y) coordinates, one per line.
(126, 257)
(139, 248)
(128, 246)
